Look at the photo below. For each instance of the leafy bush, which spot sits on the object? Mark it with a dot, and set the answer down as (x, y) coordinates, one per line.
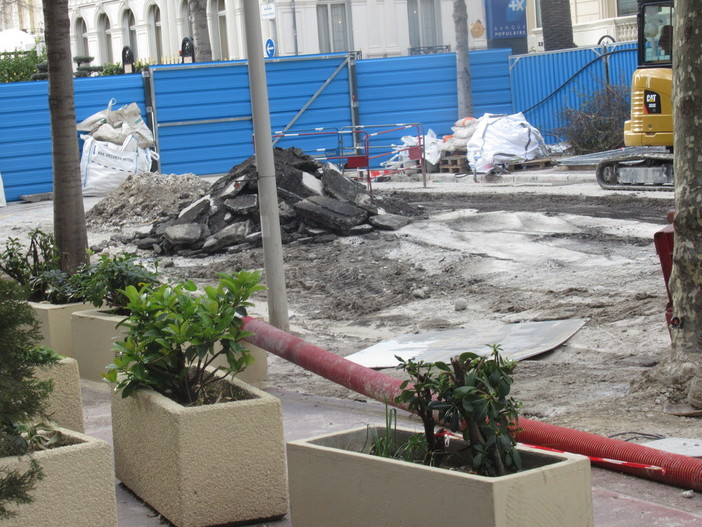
(103, 283)
(22, 397)
(111, 69)
(471, 392)
(38, 268)
(19, 66)
(175, 335)
(599, 122)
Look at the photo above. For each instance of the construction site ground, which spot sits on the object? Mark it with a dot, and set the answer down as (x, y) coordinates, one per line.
(545, 244)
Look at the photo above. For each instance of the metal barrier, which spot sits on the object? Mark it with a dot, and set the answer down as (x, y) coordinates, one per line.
(355, 147)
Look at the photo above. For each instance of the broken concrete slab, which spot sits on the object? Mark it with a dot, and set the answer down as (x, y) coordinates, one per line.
(330, 213)
(230, 235)
(242, 203)
(193, 212)
(339, 186)
(389, 222)
(185, 235)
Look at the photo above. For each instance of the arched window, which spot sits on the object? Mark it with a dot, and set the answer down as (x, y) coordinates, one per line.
(105, 39)
(423, 17)
(333, 27)
(156, 34)
(129, 35)
(81, 35)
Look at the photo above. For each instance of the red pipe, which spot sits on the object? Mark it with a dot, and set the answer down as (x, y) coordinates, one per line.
(678, 470)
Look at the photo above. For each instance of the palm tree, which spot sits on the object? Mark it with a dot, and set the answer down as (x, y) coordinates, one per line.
(465, 95)
(69, 214)
(201, 35)
(557, 24)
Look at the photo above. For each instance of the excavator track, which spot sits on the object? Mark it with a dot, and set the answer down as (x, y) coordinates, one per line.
(649, 172)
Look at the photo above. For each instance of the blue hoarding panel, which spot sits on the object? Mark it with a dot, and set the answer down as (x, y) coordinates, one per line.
(25, 126)
(544, 84)
(422, 89)
(211, 130)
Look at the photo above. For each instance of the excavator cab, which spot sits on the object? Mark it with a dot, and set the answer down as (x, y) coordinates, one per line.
(650, 127)
(651, 122)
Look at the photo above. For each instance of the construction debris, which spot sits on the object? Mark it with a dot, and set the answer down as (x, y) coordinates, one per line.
(316, 203)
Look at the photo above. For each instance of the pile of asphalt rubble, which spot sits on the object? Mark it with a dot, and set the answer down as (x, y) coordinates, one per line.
(316, 203)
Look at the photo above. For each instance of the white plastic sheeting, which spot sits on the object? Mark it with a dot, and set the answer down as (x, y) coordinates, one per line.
(498, 139)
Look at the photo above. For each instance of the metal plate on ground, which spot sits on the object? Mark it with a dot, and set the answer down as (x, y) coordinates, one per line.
(678, 445)
(518, 342)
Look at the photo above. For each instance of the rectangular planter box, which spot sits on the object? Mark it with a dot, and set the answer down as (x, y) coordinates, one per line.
(65, 406)
(332, 483)
(55, 320)
(94, 334)
(78, 488)
(202, 465)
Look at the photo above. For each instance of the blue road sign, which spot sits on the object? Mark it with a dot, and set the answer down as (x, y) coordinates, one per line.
(270, 48)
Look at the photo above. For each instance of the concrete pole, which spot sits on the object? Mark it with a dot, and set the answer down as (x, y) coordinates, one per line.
(265, 165)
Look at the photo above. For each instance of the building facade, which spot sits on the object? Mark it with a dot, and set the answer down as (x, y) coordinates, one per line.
(154, 29)
(594, 21)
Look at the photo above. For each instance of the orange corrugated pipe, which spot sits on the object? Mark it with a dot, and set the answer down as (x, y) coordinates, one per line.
(674, 469)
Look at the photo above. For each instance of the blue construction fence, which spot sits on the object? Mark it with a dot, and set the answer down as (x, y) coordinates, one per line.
(201, 113)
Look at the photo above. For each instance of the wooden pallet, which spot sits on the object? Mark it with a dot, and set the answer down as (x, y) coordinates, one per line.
(455, 164)
(513, 166)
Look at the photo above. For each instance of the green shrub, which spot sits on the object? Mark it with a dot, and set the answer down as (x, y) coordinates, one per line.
(37, 268)
(19, 66)
(472, 393)
(598, 124)
(22, 397)
(103, 283)
(174, 336)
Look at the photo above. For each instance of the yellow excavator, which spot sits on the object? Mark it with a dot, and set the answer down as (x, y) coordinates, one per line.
(649, 167)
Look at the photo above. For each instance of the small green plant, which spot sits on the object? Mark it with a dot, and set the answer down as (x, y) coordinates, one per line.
(174, 336)
(111, 69)
(22, 397)
(386, 443)
(37, 268)
(598, 123)
(470, 393)
(103, 283)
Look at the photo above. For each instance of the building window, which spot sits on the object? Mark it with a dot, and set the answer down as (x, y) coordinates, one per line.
(537, 12)
(105, 36)
(333, 28)
(423, 23)
(156, 35)
(129, 31)
(626, 7)
(222, 29)
(81, 33)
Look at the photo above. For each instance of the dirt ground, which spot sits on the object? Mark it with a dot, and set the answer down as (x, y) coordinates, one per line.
(513, 253)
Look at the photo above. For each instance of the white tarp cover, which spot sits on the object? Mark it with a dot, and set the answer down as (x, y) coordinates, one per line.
(16, 40)
(518, 341)
(498, 139)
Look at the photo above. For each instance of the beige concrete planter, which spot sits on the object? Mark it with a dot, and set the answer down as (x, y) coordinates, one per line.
(55, 322)
(65, 406)
(78, 488)
(332, 483)
(94, 334)
(204, 465)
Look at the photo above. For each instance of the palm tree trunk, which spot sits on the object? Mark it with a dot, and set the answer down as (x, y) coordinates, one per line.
(69, 214)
